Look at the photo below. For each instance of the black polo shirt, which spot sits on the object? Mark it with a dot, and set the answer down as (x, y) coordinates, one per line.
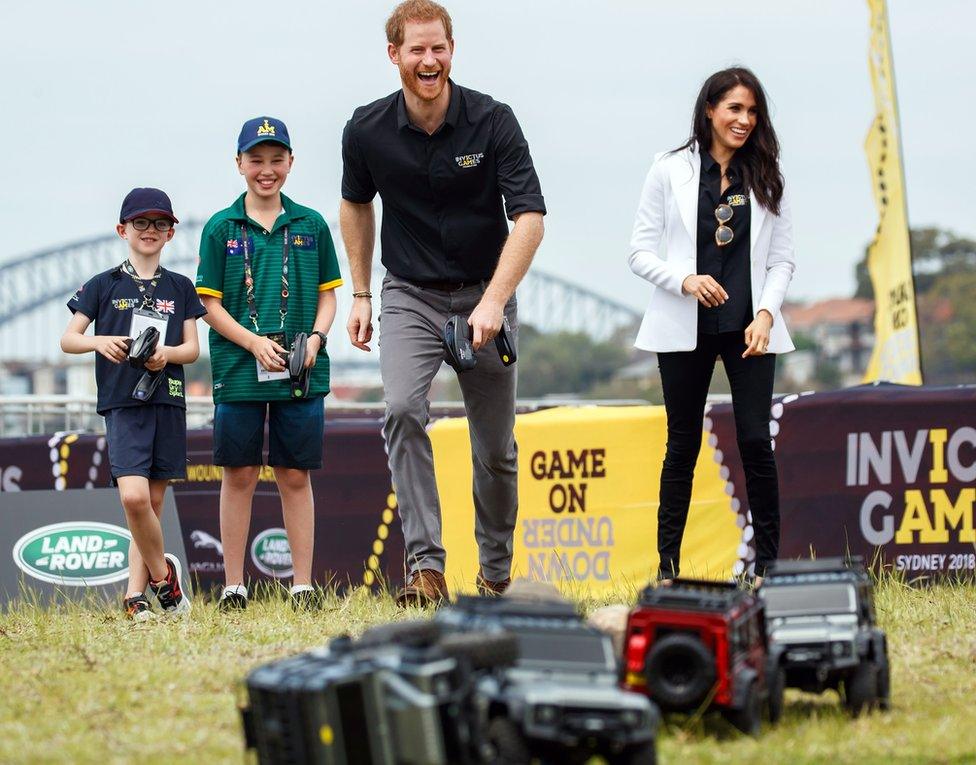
(443, 216)
(730, 266)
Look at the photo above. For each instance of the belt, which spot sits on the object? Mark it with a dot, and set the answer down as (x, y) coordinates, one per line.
(445, 286)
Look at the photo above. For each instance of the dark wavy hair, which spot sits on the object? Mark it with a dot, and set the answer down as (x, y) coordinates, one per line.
(759, 156)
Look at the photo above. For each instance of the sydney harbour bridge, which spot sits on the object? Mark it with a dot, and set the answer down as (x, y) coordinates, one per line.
(35, 287)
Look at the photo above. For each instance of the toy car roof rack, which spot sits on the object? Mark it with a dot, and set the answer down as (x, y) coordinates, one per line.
(514, 607)
(695, 594)
(836, 565)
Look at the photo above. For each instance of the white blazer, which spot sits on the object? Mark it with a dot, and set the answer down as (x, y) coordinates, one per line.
(663, 250)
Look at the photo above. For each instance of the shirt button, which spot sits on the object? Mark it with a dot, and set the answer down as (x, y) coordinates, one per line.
(266, 232)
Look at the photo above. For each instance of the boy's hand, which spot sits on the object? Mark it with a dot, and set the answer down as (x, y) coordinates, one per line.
(159, 359)
(268, 353)
(114, 348)
(312, 348)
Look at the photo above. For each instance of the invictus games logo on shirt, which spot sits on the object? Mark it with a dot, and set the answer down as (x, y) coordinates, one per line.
(124, 304)
(737, 200)
(469, 160)
(271, 553)
(303, 241)
(266, 129)
(175, 387)
(75, 554)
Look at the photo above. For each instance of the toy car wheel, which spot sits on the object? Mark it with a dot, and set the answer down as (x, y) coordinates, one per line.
(747, 718)
(507, 742)
(680, 671)
(483, 649)
(639, 754)
(884, 685)
(861, 687)
(777, 687)
(414, 632)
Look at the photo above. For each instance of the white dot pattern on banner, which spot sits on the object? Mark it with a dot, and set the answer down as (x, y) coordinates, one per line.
(96, 461)
(734, 504)
(748, 534)
(773, 428)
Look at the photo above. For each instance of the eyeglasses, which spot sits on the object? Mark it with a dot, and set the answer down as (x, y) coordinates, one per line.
(143, 224)
(723, 234)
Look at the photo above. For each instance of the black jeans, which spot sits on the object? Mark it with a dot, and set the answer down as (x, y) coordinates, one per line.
(685, 376)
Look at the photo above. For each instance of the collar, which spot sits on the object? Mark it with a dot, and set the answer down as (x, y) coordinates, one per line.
(450, 118)
(709, 163)
(292, 211)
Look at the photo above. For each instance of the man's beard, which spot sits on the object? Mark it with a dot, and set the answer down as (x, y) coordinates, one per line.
(412, 83)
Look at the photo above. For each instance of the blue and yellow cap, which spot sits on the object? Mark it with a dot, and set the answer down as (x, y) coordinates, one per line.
(262, 130)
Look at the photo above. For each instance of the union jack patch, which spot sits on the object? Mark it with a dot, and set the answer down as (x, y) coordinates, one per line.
(165, 306)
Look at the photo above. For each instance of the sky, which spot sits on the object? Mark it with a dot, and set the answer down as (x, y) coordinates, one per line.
(100, 97)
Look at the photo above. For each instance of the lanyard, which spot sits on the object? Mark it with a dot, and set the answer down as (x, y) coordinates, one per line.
(147, 294)
(252, 309)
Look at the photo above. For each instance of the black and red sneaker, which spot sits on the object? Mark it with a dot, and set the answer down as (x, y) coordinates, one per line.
(172, 598)
(137, 608)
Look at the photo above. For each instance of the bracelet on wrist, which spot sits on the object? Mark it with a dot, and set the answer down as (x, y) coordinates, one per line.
(362, 294)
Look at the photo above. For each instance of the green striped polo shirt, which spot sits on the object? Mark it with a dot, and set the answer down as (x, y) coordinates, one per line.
(312, 268)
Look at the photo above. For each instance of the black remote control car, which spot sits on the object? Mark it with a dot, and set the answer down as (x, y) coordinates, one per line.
(561, 701)
(697, 643)
(404, 693)
(820, 615)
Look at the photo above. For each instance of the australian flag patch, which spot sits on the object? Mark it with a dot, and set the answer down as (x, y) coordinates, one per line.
(236, 246)
(303, 241)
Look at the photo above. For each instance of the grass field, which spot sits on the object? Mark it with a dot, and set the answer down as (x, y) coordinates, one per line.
(78, 683)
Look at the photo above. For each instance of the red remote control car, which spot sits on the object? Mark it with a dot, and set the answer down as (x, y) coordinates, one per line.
(697, 643)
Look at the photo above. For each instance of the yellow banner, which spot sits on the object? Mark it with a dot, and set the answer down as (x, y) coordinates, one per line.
(896, 356)
(588, 497)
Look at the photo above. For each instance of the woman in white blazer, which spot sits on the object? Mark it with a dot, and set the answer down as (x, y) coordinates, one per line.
(714, 237)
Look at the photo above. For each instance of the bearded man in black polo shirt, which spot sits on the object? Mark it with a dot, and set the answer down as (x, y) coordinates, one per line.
(449, 164)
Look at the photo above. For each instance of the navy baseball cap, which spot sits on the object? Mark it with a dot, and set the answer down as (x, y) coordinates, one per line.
(141, 201)
(262, 130)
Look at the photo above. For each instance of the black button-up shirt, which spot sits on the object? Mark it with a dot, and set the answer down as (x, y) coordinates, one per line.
(443, 217)
(729, 265)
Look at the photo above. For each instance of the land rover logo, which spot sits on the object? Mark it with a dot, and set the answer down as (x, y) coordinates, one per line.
(76, 554)
(271, 553)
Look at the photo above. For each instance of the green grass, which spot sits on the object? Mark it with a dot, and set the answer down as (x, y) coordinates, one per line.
(78, 683)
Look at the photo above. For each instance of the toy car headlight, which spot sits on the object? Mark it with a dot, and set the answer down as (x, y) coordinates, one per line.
(632, 718)
(546, 714)
(839, 649)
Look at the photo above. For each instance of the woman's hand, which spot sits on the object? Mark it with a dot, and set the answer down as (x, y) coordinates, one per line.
(757, 334)
(706, 290)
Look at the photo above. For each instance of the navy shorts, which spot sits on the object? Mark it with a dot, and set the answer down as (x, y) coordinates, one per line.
(147, 440)
(295, 430)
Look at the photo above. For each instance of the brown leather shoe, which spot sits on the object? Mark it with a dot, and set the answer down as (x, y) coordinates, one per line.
(490, 589)
(425, 587)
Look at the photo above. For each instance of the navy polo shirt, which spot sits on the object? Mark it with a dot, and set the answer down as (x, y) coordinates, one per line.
(109, 299)
(445, 196)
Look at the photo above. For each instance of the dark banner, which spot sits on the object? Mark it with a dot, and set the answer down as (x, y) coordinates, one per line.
(357, 530)
(883, 470)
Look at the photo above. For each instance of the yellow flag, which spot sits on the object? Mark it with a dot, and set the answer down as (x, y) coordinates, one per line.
(896, 356)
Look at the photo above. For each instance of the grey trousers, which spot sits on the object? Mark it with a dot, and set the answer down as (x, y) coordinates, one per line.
(411, 339)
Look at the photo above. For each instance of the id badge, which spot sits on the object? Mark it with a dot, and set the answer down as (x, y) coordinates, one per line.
(142, 318)
(263, 374)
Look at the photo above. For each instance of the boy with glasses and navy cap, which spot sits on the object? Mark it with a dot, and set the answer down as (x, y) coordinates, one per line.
(142, 397)
(267, 276)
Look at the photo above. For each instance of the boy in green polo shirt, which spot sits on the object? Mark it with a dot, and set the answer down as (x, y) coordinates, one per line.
(267, 272)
